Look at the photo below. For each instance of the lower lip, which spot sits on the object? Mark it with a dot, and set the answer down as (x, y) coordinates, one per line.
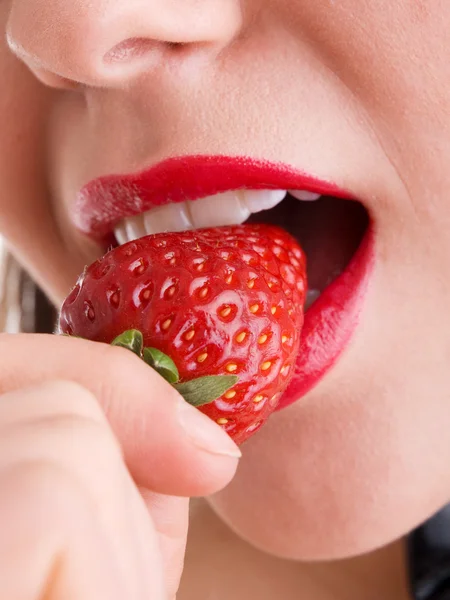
(330, 322)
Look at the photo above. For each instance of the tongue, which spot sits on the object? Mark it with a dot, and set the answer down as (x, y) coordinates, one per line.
(329, 230)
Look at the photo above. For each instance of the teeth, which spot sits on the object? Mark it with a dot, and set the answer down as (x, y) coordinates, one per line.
(220, 209)
(134, 227)
(229, 208)
(121, 234)
(257, 201)
(171, 217)
(304, 195)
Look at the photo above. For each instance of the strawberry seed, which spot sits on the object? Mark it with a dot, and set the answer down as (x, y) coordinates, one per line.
(225, 312)
(167, 323)
(241, 337)
(202, 357)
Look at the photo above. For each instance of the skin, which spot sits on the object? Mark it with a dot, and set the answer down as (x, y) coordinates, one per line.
(81, 476)
(355, 92)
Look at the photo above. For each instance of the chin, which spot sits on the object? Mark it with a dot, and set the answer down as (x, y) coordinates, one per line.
(331, 477)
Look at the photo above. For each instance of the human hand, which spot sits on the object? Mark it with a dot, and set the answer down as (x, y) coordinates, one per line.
(98, 455)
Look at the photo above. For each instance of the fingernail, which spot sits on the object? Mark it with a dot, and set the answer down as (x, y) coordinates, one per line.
(204, 433)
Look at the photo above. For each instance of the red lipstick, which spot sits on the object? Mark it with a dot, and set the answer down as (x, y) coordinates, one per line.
(105, 201)
(331, 320)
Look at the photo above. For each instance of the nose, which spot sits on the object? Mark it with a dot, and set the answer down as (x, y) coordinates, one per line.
(106, 42)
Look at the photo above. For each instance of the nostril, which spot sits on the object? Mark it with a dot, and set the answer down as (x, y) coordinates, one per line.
(134, 50)
(130, 49)
(135, 56)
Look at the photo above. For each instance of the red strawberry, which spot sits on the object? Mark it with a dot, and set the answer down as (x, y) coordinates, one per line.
(222, 301)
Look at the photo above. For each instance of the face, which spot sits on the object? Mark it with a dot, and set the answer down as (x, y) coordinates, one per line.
(352, 92)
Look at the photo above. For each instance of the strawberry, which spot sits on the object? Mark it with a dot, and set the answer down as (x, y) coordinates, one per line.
(225, 302)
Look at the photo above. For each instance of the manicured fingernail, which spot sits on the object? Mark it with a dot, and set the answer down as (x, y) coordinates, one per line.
(204, 433)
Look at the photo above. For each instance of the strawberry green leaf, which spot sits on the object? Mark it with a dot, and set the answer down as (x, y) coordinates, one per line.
(205, 389)
(131, 339)
(162, 363)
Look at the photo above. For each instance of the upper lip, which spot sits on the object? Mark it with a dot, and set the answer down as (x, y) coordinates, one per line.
(103, 202)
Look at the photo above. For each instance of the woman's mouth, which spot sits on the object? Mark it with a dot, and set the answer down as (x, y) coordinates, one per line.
(200, 191)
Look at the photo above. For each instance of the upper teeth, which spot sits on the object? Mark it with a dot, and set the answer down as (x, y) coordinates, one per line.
(304, 195)
(229, 208)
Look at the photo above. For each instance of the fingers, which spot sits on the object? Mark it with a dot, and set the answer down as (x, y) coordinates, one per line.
(168, 446)
(71, 518)
(170, 517)
(38, 546)
(64, 427)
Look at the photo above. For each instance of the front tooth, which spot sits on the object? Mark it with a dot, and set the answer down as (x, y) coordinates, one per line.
(257, 200)
(220, 209)
(304, 195)
(171, 217)
(121, 234)
(134, 227)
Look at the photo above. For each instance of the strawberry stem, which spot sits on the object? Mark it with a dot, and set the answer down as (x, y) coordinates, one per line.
(161, 363)
(132, 340)
(196, 392)
(204, 390)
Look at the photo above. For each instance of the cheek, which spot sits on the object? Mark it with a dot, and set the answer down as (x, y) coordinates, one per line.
(26, 217)
(23, 107)
(347, 469)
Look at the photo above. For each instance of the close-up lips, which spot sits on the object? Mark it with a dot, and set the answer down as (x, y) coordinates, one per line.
(193, 192)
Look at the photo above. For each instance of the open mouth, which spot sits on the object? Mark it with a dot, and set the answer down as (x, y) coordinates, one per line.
(329, 229)
(334, 231)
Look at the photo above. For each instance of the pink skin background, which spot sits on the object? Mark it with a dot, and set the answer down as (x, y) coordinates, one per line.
(352, 92)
